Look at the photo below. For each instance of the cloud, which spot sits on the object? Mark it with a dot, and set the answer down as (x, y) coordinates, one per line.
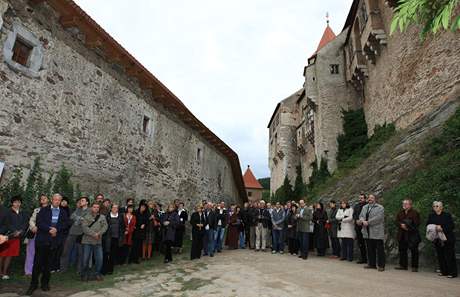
(230, 62)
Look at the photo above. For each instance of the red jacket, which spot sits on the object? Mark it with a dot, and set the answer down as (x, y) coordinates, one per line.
(130, 228)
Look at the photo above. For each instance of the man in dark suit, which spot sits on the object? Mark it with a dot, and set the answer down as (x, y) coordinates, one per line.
(52, 224)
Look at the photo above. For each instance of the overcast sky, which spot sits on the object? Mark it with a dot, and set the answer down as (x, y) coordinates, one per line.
(230, 62)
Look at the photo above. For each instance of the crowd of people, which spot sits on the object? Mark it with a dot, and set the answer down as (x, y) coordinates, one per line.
(96, 236)
(264, 227)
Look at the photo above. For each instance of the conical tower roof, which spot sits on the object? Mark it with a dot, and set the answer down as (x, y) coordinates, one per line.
(250, 181)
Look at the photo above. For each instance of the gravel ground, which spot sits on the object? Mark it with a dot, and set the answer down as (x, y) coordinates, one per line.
(246, 273)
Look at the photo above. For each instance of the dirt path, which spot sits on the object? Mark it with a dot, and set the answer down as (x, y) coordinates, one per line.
(246, 273)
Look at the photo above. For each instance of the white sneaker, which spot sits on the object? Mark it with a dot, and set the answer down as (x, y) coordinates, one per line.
(273, 252)
(5, 277)
(281, 252)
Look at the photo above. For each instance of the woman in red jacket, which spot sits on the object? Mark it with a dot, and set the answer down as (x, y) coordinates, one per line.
(130, 223)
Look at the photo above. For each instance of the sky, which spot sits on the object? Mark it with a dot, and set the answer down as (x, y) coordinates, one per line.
(230, 62)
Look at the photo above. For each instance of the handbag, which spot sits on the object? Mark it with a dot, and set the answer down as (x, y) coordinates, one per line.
(80, 237)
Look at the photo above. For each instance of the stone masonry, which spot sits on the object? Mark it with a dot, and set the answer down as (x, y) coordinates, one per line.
(81, 111)
(395, 79)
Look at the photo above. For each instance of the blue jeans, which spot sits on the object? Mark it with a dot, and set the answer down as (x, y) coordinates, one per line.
(211, 241)
(303, 243)
(96, 251)
(219, 238)
(242, 240)
(278, 242)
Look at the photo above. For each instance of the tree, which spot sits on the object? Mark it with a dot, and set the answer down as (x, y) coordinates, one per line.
(63, 184)
(300, 188)
(319, 175)
(14, 187)
(432, 15)
(32, 183)
(284, 193)
(354, 136)
(49, 184)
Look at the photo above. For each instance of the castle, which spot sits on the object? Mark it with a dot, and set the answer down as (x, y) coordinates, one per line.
(394, 79)
(72, 95)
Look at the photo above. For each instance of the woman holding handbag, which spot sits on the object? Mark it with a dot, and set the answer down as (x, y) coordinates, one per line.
(30, 236)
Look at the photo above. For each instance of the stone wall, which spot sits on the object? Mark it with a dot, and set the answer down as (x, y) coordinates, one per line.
(411, 77)
(334, 95)
(283, 147)
(86, 114)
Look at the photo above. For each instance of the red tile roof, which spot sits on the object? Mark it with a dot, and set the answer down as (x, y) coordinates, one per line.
(250, 181)
(328, 36)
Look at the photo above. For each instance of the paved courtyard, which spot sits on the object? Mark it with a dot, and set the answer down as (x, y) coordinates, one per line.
(246, 273)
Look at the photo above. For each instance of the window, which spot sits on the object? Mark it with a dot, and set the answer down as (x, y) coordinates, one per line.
(334, 68)
(146, 125)
(249, 194)
(21, 52)
(198, 154)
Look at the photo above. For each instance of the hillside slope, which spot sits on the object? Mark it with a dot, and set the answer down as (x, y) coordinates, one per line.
(397, 159)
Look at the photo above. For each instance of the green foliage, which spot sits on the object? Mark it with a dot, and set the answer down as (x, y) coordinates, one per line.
(381, 135)
(266, 195)
(432, 15)
(354, 135)
(14, 187)
(300, 188)
(63, 184)
(78, 192)
(439, 179)
(49, 184)
(321, 179)
(32, 185)
(319, 175)
(284, 193)
(265, 182)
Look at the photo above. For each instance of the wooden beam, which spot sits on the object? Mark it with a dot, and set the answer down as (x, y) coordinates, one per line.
(133, 70)
(68, 21)
(36, 2)
(93, 41)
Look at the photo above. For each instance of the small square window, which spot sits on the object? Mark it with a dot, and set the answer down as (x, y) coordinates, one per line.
(146, 125)
(21, 52)
(249, 194)
(334, 68)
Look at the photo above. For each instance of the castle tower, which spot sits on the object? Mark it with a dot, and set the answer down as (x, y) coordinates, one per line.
(253, 187)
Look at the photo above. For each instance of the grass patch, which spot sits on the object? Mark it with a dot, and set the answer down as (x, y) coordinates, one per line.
(381, 135)
(194, 284)
(439, 179)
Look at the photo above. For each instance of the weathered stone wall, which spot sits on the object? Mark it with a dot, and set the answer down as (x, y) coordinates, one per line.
(334, 94)
(84, 113)
(411, 77)
(256, 195)
(284, 142)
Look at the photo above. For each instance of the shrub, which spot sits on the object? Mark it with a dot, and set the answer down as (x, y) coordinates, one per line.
(439, 179)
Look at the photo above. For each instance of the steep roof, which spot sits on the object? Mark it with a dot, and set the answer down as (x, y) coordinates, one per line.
(328, 36)
(250, 181)
(71, 15)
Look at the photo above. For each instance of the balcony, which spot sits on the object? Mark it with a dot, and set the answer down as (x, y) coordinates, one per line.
(373, 36)
(358, 70)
